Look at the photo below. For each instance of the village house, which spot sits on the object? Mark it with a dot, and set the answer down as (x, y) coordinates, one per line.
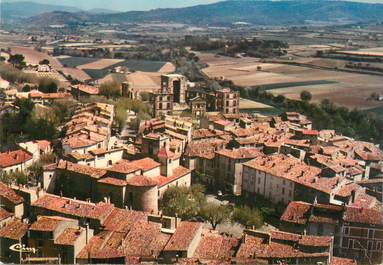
(276, 247)
(83, 91)
(36, 148)
(282, 179)
(358, 231)
(11, 201)
(87, 213)
(228, 165)
(57, 237)
(15, 161)
(15, 232)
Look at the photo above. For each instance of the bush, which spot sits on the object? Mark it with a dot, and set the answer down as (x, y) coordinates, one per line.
(248, 216)
(306, 95)
(47, 85)
(110, 90)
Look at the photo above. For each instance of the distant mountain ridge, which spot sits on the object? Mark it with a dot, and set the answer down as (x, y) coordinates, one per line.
(230, 11)
(15, 11)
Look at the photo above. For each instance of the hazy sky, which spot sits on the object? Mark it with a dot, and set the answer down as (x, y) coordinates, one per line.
(124, 5)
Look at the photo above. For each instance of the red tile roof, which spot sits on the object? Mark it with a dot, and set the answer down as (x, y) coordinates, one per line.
(342, 261)
(81, 169)
(14, 230)
(185, 233)
(4, 214)
(69, 236)
(121, 220)
(14, 158)
(141, 181)
(164, 153)
(48, 223)
(104, 245)
(215, 247)
(177, 173)
(145, 240)
(282, 245)
(363, 216)
(296, 212)
(74, 208)
(242, 153)
(126, 167)
(113, 181)
(9, 194)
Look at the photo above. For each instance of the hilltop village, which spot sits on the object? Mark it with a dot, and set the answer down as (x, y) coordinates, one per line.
(98, 199)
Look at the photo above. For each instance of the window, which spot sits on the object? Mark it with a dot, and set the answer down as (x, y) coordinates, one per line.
(371, 233)
(346, 230)
(369, 245)
(283, 191)
(378, 245)
(259, 180)
(351, 243)
(110, 162)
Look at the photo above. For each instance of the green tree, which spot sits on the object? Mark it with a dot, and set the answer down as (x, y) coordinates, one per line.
(306, 95)
(17, 60)
(248, 216)
(47, 85)
(184, 202)
(215, 214)
(110, 90)
(44, 61)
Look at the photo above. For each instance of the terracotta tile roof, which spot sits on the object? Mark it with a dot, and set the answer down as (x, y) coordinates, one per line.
(14, 158)
(77, 156)
(293, 170)
(121, 220)
(282, 245)
(215, 247)
(363, 216)
(74, 208)
(342, 261)
(185, 233)
(347, 189)
(204, 148)
(224, 123)
(9, 194)
(91, 90)
(43, 144)
(81, 169)
(69, 236)
(145, 240)
(104, 245)
(14, 230)
(242, 153)
(113, 181)
(78, 142)
(141, 181)
(126, 167)
(177, 173)
(206, 133)
(164, 153)
(48, 223)
(296, 212)
(4, 214)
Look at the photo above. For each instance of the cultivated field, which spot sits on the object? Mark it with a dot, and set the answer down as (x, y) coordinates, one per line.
(346, 89)
(100, 64)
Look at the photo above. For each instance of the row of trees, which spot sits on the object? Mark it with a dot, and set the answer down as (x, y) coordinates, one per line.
(190, 203)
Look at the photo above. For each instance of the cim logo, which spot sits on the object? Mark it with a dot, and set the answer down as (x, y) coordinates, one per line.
(22, 249)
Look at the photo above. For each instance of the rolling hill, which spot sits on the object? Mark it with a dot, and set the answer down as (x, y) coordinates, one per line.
(227, 12)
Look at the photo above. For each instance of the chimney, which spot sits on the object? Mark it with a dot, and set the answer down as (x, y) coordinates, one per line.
(353, 194)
